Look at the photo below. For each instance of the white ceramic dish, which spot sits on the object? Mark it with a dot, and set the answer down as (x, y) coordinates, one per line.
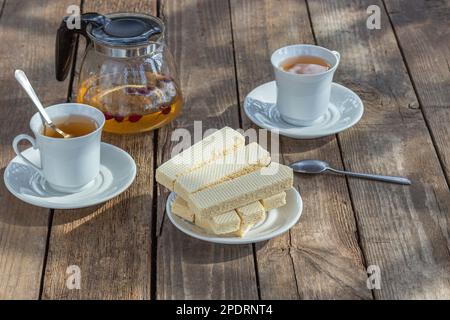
(117, 172)
(345, 109)
(277, 222)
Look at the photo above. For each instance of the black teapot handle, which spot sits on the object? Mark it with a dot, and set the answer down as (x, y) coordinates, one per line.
(66, 41)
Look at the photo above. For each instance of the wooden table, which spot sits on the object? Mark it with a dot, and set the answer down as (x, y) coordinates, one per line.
(127, 249)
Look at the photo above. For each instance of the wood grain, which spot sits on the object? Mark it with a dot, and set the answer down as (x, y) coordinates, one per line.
(320, 257)
(27, 33)
(403, 229)
(422, 29)
(199, 35)
(111, 243)
(346, 224)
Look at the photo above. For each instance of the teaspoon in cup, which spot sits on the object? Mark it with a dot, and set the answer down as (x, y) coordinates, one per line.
(26, 85)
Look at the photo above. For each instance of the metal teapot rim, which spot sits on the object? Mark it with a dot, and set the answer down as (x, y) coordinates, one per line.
(130, 50)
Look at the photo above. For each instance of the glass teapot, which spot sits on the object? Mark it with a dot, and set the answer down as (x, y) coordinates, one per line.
(127, 71)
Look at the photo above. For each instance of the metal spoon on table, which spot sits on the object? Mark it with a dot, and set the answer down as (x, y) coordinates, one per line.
(26, 85)
(317, 166)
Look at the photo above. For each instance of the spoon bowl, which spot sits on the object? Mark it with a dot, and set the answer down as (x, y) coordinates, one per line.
(309, 166)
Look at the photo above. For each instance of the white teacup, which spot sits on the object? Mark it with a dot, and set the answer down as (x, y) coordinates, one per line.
(303, 98)
(68, 165)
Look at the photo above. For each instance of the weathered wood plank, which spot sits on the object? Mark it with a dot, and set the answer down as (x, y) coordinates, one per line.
(111, 243)
(105, 6)
(199, 34)
(422, 29)
(403, 229)
(27, 33)
(319, 257)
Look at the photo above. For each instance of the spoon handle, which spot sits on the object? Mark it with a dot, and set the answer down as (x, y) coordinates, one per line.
(25, 83)
(398, 180)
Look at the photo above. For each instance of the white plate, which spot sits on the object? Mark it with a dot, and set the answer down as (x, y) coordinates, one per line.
(344, 110)
(117, 172)
(278, 221)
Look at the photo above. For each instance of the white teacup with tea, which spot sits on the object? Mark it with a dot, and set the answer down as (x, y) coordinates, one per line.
(68, 165)
(303, 74)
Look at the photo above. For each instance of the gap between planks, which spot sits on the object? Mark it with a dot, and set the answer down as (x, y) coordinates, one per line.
(2, 7)
(154, 231)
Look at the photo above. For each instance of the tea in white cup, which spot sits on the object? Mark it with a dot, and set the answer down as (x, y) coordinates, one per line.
(68, 165)
(303, 74)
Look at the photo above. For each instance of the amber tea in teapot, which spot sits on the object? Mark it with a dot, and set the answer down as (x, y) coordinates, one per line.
(130, 108)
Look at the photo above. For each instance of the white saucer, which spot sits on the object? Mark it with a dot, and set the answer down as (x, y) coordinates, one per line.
(277, 222)
(344, 110)
(117, 172)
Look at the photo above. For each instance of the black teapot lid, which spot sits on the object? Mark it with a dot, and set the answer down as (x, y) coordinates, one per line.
(126, 29)
(117, 33)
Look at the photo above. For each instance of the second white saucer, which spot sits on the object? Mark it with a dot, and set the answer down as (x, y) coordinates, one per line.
(117, 172)
(344, 110)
